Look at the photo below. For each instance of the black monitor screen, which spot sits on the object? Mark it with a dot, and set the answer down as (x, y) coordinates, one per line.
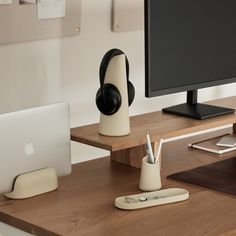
(189, 44)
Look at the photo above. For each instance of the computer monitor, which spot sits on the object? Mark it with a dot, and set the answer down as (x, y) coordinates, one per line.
(189, 44)
(34, 139)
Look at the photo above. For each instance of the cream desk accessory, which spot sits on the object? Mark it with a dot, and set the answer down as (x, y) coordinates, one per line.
(115, 95)
(34, 183)
(150, 178)
(150, 199)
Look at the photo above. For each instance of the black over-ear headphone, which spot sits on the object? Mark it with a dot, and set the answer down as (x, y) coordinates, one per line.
(108, 98)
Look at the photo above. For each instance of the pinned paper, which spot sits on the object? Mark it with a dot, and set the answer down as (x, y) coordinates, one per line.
(48, 9)
(5, 2)
(28, 1)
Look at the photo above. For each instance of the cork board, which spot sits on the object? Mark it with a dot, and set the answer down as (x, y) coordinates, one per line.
(19, 23)
(127, 15)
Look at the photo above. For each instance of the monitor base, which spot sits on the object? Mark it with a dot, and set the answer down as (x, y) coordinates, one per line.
(198, 111)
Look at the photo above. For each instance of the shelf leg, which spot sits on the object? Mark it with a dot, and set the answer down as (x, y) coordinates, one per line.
(234, 128)
(132, 156)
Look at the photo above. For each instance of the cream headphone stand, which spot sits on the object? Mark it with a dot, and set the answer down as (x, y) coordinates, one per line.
(117, 124)
(34, 183)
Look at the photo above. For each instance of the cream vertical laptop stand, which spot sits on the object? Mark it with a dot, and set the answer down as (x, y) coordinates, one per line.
(34, 183)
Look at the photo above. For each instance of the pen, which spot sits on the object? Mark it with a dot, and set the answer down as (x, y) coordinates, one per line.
(158, 151)
(148, 153)
(149, 150)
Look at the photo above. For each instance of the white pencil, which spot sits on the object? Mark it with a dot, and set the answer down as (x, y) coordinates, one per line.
(149, 149)
(159, 151)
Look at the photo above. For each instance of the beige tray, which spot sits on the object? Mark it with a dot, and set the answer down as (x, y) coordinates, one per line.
(150, 199)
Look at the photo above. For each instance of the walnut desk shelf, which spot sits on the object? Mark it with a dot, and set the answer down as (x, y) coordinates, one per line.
(129, 149)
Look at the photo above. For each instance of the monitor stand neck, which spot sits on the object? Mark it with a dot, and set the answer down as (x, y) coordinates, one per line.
(192, 97)
(196, 110)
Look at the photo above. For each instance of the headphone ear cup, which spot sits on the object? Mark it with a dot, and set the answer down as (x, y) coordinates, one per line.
(131, 92)
(109, 102)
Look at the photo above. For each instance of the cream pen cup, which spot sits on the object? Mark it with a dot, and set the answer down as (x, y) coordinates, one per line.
(150, 178)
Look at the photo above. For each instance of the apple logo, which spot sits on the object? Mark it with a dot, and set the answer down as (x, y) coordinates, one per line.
(29, 149)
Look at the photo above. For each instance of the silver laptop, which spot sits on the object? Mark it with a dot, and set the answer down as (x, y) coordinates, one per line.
(33, 139)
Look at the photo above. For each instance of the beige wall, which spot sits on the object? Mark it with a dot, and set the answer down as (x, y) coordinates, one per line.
(43, 72)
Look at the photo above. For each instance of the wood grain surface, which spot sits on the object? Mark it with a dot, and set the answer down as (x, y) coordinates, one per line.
(159, 125)
(84, 203)
(129, 149)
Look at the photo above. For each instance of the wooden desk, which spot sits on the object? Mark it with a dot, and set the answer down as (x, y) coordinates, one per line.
(129, 149)
(83, 205)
